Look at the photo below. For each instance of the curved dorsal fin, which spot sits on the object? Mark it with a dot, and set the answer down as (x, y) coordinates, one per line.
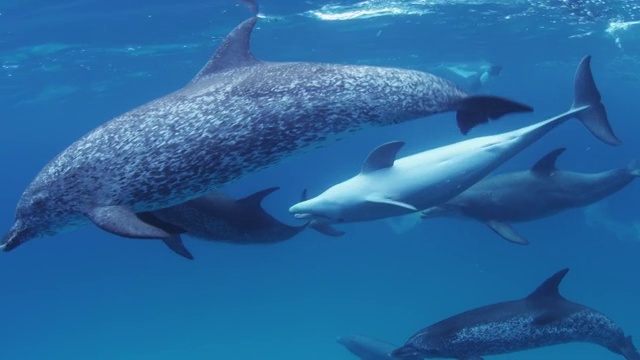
(547, 164)
(233, 52)
(256, 198)
(549, 288)
(382, 157)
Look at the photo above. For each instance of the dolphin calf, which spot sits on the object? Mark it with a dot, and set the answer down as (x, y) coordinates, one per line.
(367, 348)
(236, 116)
(541, 191)
(219, 217)
(543, 318)
(388, 187)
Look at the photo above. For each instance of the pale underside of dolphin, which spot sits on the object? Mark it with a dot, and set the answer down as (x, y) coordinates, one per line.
(387, 186)
(543, 318)
(219, 217)
(541, 191)
(237, 116)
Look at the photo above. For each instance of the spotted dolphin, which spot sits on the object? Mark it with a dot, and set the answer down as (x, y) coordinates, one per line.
(541, 191)
(543, 318)
(236, 116)
(367, 348)
(217, 216)
(387, 186)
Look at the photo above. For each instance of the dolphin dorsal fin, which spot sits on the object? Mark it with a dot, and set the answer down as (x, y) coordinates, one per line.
(256, 198)
(382, 157)
(547, 164)
(234, 51)
(549, 288)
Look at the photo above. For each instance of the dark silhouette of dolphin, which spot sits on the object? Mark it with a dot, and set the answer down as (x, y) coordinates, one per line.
(219, 217)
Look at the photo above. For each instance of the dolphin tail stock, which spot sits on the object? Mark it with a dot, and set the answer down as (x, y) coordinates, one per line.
(252, 5)
(587, 106)
(322, 228)
(629, 351)
(479, 109)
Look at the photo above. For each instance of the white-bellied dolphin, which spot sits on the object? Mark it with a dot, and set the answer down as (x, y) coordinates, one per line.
(367, 348)
(238, 115)
(543, 318)
(541, 191)
(387, 186)
(217, 216)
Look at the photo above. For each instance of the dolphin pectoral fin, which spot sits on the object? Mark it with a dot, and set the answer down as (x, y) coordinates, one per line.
(120, 220)
(325, 229)
(387, 201)
(507, 232)
(175, 243)
(475, 110)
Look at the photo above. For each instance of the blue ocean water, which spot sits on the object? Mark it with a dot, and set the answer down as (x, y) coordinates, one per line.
(68, 66)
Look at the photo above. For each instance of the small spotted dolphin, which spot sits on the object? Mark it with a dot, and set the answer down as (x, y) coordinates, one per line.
(367, 348)
(219, 217)
(237, 116)
(542, 191)
(543, 318)
(387, 186)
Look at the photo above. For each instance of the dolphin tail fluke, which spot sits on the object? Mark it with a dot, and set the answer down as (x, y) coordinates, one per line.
(475, 110)
(629, 351)
(594, 117)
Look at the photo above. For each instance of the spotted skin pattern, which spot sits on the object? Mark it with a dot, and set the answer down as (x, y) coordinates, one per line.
(543, 318)
(221, 126)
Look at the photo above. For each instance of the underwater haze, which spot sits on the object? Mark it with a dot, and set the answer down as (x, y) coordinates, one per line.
(68, 66)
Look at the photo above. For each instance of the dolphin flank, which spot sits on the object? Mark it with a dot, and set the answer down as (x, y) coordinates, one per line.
(236, 116)
(543, 318)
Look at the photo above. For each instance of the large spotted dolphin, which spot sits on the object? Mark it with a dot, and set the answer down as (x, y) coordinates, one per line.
(238, 115)
(541, 191)
(543, 318)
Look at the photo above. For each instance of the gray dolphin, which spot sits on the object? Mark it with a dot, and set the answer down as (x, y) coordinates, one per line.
(543, 318)
(219, 217)
(367, 348)
(237, 116)
(541, 191)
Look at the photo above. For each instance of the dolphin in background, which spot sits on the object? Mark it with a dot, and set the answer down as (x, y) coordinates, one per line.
(541, 191)
(387, 186)
(219, 217)
(543, 318)
(238, 115)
